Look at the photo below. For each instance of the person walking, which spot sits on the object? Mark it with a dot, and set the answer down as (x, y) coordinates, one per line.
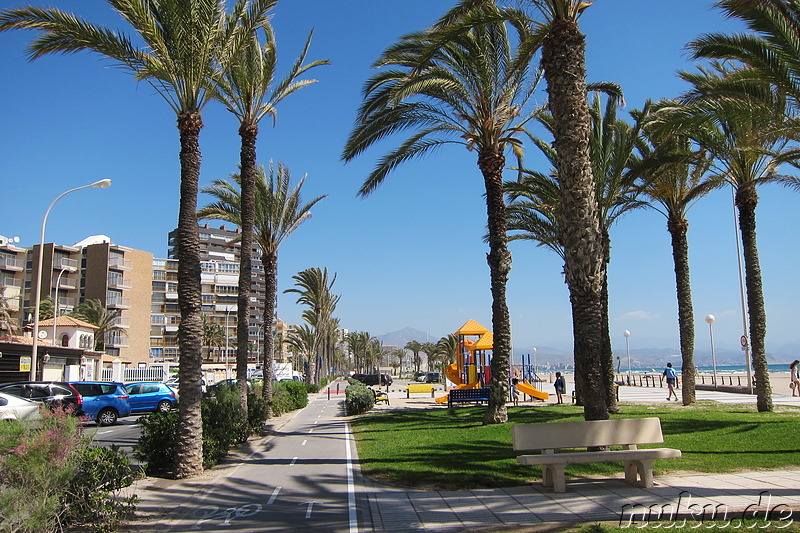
(794, 377)
(561, 387)
(672, 378)
(515, 391)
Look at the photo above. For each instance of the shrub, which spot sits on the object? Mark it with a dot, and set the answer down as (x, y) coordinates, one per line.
(224, 424)
(358, 399)
(156, 445)
(256, 412)
(48, 473)
(313, 388)
(288, 396)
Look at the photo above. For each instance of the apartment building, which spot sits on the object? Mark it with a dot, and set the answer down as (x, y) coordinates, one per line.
(117, 276)
(219, 262)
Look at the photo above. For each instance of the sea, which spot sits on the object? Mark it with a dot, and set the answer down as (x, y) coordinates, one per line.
(708, 369)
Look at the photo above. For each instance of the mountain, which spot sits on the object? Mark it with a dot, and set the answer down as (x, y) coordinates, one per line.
(403, 336)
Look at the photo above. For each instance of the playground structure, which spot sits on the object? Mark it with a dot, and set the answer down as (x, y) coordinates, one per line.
(472, 368)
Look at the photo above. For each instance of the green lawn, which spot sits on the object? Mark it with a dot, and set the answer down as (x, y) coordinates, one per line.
(451, 449)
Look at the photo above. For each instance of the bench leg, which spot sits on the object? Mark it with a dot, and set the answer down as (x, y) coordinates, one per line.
(639, 470)
(553, 476)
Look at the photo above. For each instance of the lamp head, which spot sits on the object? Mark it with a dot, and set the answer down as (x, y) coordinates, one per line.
(710, 319)
(102, 184)
(626, 333)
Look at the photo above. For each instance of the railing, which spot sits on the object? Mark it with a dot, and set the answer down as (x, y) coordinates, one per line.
(118, 282)
(60, 262)
(64, 301)
(120, 263)
(118, 303)
(67, 282)
(120, 322)
(10, 262)
(116, 341)
(8, 281)
(741, 380)
(137, 374)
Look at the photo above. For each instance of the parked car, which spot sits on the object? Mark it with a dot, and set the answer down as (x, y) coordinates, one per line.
(175, 384)
(104, 401)
(373, 379)
(151, 396)
(432, 377)
(420, 376)
(16, 408)
(49, 393)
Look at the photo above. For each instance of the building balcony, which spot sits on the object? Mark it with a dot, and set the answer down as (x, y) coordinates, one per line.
(67, 282)
(115, 282)
(9, 281)
(60, 262)
(118, 303)
(119, 263)
(116, 341)
(121, 323)
(9, 262)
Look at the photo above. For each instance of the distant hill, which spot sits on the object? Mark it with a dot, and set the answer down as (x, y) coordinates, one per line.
(403, 336)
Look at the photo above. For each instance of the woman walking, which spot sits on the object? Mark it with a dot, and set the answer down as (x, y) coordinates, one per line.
(794, 377)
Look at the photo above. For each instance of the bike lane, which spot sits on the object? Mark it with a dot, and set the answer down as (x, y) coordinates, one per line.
(301, 478)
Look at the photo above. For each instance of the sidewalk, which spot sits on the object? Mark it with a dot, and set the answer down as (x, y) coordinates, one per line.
(681, 496)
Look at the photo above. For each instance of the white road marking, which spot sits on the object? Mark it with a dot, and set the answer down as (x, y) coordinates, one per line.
(311, 430)
(294, 460)
(274, 495)
(308, 511)
(351, 486)
(304, 442)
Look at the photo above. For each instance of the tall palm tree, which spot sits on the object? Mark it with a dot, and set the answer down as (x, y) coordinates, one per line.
(213, 334)
(744, 136)
(303, 341)
(674, 177)
(279, 211)
(415, 347)
(247, 90)
(536, 210)
(94, 312)
(472, 89)
(314, 291)
(184, 45)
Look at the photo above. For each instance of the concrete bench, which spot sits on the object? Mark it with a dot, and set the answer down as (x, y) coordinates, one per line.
(627, 433)
(419, 387)
(467, 395)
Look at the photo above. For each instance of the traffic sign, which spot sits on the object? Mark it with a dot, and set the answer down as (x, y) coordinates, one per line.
(744, 341)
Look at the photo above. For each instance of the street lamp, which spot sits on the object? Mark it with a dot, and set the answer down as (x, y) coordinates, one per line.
(628, 349)
(710, 320)
(55, 303)
(102, 184)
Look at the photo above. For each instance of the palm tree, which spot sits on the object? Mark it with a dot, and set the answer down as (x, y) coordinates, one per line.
(674, 177)
(743, 135)
(314, 291)
(247, 91)
(303, 341)
(415, 347)
(537, 213)
(213, 334)
(94, 312)
(7, 323)
(472, 90)
(279, 211)
(185, 45)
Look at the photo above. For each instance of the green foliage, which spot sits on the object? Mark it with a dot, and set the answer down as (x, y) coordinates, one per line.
(256, 412)
(313, 388)
(288, 396)
(358, 398)
(51, 478)
(156, 445)
(97, 502)
(455, 450)
(224, 425)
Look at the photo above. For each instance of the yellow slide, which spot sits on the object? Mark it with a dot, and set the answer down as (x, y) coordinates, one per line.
(530, 390)
(451, 373)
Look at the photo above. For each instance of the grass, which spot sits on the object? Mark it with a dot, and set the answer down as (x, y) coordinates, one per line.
(452, 449)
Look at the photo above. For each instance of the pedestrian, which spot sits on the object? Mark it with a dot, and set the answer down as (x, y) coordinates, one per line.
(561, 387)
(514, 391)
(672, 378)
(794, 377)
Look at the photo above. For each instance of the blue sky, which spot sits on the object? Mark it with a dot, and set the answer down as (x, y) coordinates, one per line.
(411, 254)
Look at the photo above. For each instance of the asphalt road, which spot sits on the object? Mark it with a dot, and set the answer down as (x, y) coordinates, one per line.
(301, 479)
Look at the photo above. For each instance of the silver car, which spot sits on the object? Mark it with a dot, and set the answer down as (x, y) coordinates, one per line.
(16, 408)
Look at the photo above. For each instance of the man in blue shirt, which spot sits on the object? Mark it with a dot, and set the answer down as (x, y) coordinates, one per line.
(672, 378)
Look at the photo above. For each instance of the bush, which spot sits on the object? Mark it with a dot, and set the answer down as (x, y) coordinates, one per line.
(313, 388)
(224, 424)
(288, 396)
(358, 398)
(47, 471)
(156, 445)
(256, 412)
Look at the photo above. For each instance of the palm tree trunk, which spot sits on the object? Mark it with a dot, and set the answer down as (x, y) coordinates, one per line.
(270, 261)
(491, 163)
(247, 158)
(607, 356)
(563, 61)
(678, 227)
(746, 201)
(189, 438)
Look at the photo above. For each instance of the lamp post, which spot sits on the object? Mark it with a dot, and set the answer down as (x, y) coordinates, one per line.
(102, 184)
(55, 303)
(710, 320)
(628, 349)
(534, 376)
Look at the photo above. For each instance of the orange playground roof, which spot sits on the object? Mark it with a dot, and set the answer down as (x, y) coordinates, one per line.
(484, 343)
(471, 328)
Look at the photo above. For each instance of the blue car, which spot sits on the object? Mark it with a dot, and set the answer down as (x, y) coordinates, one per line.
(103, 401)
(151, 396)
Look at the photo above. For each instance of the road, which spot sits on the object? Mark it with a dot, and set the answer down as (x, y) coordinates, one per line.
(300, 479)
